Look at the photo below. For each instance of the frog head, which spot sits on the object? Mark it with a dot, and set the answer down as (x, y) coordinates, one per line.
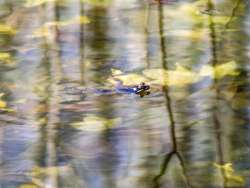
(142, 89)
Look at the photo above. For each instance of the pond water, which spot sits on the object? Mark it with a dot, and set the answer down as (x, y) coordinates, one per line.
(58, 128)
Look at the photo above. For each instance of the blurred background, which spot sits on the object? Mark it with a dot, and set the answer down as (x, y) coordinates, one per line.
(56, 130)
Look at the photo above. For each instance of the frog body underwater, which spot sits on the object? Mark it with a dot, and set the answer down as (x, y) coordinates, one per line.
(141, 89)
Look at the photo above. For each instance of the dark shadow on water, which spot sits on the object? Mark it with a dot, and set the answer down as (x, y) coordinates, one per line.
(82, 44)
(215, 110)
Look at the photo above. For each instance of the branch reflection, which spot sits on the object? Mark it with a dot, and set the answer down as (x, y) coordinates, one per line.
(165, 89)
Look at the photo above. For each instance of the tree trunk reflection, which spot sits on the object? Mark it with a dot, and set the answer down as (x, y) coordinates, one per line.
(165, 89)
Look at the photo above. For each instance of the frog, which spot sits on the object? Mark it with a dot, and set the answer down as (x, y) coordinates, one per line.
(141, 89)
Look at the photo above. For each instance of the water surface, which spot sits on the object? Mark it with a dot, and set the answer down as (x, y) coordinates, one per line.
(191, 131)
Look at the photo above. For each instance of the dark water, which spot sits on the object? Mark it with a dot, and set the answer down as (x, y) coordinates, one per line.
(56, 131)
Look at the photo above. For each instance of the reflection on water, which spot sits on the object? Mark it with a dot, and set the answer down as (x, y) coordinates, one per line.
(58, 131)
